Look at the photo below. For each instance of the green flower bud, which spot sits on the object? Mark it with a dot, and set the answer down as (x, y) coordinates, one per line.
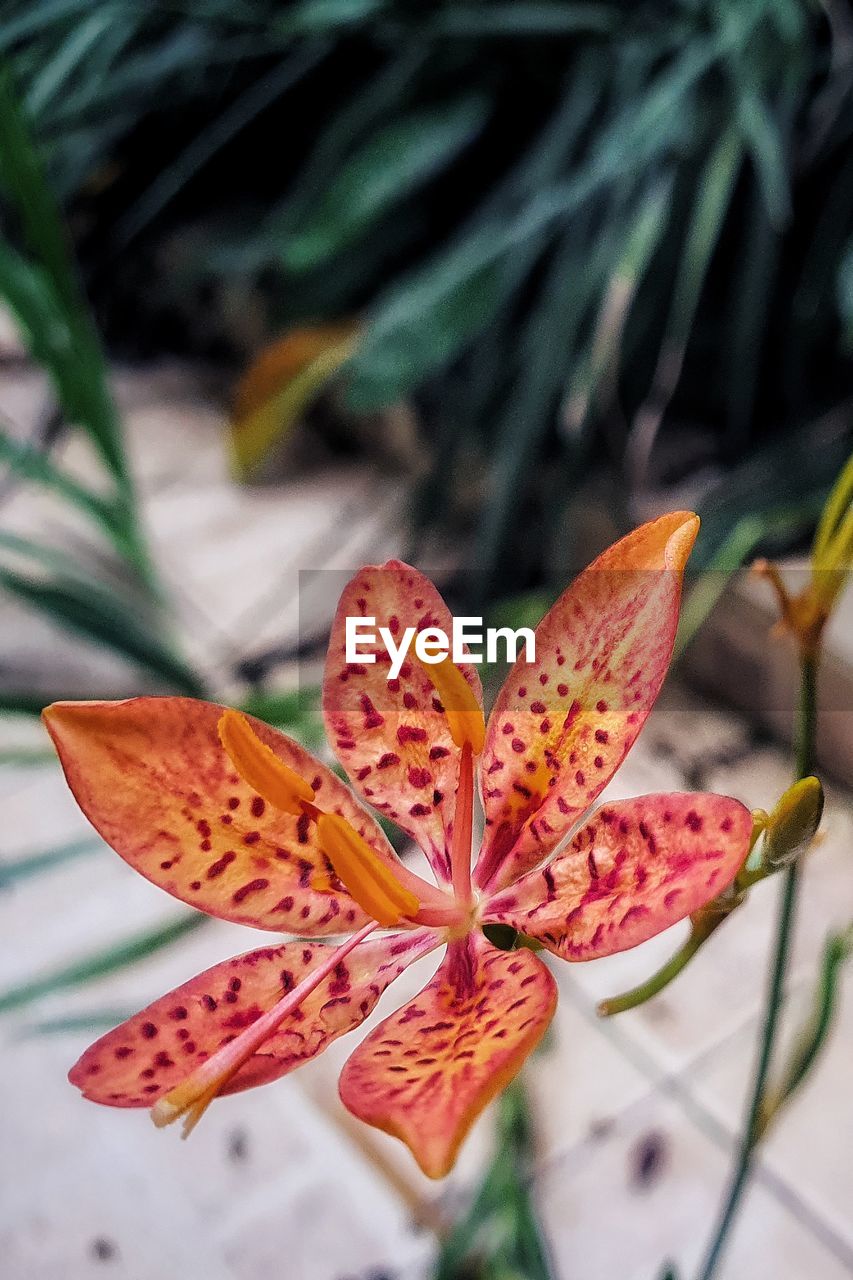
(793, 823)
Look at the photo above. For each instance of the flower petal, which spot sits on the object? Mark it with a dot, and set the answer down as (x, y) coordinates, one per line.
(426, 1073)
(152, 777)
(562, 725)
(392, 736)
(151, 1053)
(634, 869)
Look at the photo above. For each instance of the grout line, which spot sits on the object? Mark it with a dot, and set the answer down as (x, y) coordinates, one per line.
(227, 647)
(322, 546)
(675, 1086)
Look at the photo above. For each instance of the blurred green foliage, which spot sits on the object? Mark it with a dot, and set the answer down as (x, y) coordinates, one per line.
(572, 230)
(499, 1237)
(117, 605)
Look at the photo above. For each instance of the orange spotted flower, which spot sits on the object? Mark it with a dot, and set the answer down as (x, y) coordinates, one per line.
(235, 818)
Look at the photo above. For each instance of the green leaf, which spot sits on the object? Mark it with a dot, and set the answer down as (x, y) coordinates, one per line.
(34, 864)
(790, 476)
(32, 464)
(110, 960)
(216, 134)
(296, 711)
(783, 524)
(25, 702)
(100, 615)
(837, 506)
(813, 1036)
(643, 236)
(500, 1236)
(523, 19)
(408, 331)
(62, 335)
(390, 167)
(713, 197)
(91, 1024)
(25, 757)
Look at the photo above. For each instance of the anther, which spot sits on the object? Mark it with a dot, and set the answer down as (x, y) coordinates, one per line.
(464, 714)
(261, 768)
(370, 882)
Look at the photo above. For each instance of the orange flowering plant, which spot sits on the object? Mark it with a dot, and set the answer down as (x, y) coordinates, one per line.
(240, 821)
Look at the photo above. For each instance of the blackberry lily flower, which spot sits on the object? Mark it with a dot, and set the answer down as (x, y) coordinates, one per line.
(240, 821)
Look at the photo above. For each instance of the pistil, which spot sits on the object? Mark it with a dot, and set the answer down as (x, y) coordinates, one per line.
(463, 822)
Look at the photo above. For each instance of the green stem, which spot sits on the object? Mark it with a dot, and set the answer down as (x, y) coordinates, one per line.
(805, 751)
(656, 983)
(814, 1037)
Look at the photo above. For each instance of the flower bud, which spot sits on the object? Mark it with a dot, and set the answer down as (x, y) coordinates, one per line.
(793, 823)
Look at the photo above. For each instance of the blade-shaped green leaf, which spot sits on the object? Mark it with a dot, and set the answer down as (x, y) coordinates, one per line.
(391, 166)
(16, 869)
(101, 963)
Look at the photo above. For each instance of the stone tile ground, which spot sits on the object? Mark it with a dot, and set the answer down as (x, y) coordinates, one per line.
(635, 1117)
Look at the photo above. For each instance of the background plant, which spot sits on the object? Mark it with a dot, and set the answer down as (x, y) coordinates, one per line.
(570, 231)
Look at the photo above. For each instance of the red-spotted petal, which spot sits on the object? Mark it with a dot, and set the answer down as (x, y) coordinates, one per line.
(391, 735)
(562, 724)
(634, 869)
(151, 1053)
(426, 1073)
(152, 777)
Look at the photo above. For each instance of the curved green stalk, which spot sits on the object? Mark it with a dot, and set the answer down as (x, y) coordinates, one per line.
(806, 734)
(655, 984)
(813, 1038)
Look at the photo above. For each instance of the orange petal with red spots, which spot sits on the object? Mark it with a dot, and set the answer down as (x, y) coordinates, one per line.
(147, 1056)
(637, 867)
(153, 778)
(392, 736)
(562, 725)
(426, 1073)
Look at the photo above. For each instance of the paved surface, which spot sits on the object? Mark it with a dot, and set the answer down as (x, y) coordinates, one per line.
(635, 1117)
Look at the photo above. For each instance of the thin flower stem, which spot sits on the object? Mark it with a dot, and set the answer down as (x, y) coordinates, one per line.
(656, 983)
(750, 1137)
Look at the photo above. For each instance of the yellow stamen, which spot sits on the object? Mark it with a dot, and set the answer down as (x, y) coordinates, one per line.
(261, 768)
(373, 885)
(464, 715)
